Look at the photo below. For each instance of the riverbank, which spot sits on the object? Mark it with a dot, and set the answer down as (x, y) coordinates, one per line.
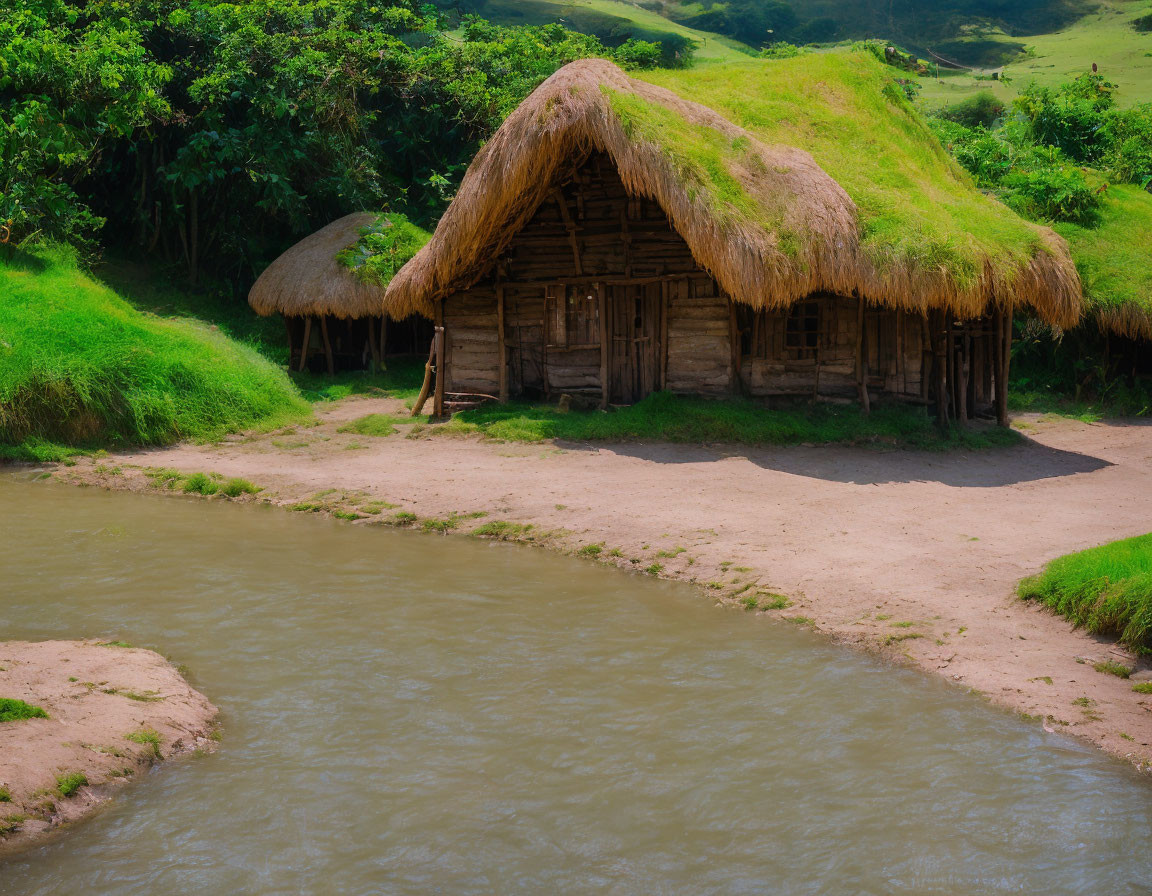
(915, 555)
(109, 713)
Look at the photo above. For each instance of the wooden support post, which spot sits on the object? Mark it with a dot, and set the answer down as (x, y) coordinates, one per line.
(737, 385)
(502, 349)
(327, 345)
(926, 356)
(861, 366)
(383, 341)
(940, 366)
(373, 346)
(960, 349)
(426, 387)
(1005, 363)
(291, 345)
(307, 342)
(665, 286)
(605, 343)
(441, 361)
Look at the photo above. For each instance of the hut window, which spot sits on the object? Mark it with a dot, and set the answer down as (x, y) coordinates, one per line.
(802, 331)
(573, 314)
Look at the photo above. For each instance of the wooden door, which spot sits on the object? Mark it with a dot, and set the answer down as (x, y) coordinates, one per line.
(634, 312)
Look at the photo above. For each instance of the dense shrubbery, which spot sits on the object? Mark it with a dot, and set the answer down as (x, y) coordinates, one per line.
(1050, 160)
(210, 134)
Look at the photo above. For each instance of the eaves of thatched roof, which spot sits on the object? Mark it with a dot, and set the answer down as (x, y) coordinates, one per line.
(765, 220)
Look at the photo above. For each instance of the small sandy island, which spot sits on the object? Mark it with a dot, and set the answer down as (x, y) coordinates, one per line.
(112, 712)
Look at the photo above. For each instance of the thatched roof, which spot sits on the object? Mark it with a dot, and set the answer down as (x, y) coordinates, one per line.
(309, 279)
(765, 220)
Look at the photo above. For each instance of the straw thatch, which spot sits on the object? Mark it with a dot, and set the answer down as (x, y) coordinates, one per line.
(309, 280)
(798, 231)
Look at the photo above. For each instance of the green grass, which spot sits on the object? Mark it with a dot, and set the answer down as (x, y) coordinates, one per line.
(146, 737)
(1111, 667)
(1145, 687)
(5, 795)
(502, 530)
(402, 380)
(82, 368)
(12, 710)
(1106, 589)
(68, 784)
(378, 425)
(917, 207)
(665, 417)
(1105, 36)
(613, 21)
(1114, 257)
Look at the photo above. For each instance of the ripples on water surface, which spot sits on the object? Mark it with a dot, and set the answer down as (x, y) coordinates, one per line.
(414, 714)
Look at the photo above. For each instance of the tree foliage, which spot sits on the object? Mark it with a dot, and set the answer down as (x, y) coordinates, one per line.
(210, 134)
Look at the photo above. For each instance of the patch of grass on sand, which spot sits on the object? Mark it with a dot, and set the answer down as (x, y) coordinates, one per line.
(502, 530)
(672, 418)
(377, 424)
(68, 784)
(1145, 687)
(5, 795)
(1106, 589)
(12, 710)
(1111, 667)
(146, 737)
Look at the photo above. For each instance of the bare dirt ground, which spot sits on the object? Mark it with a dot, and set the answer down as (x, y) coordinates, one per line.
(915, 555)
(95, 696)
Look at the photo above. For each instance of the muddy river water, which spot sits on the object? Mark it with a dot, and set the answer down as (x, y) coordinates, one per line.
(405, 713)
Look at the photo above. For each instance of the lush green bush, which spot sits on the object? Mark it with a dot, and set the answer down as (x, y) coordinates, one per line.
(1107, 589)
(384, 248)
(981, 110)
(80, 367)
(12, 710)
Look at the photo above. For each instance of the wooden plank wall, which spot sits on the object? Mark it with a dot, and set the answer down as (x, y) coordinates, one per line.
(893, 347)
(699, 342)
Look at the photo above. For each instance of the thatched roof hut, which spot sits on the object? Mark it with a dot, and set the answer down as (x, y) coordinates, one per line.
(338, 276)
(765, 220)
(309, 280)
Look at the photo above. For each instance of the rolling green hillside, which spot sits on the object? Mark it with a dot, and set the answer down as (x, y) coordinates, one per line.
(1106, 37)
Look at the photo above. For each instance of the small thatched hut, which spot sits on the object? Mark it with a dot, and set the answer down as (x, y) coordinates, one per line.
(332, 296)
(614, 239)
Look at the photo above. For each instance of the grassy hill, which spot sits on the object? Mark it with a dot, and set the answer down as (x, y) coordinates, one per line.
(614, 22)
(1105, 36)
(79, 366)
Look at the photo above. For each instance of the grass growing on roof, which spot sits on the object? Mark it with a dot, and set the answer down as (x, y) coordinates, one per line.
(1106, 589)
(671, 418)
(916, 205)
(79, 366)
(1114, 258)
(383, 248)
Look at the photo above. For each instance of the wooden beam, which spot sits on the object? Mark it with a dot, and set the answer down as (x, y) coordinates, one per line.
(571, 226)
(961, 350)
(327, 345)
(373, 346)
(665, 287)
(383, 341)
(426, 387)
(307, 342)
(861, 368)
(441, 361)
(605, 385)
(502, 348)
(1004, 366)
(734, 354)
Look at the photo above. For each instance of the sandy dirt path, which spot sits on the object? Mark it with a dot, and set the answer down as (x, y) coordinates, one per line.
(916, 555)
(113, 712)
